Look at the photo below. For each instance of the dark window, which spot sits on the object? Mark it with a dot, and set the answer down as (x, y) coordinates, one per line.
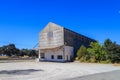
(42, 55)
(82, 38)
(52, 56)
(59, 57)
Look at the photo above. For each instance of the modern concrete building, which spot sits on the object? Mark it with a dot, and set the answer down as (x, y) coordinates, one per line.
(60, 44)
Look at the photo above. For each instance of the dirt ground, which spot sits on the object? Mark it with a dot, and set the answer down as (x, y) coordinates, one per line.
(50, 70)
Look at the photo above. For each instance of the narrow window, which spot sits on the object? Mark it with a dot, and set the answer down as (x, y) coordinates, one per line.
(42, 55)
(52, 56)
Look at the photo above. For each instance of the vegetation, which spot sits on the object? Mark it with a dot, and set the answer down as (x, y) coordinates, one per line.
(11, 51)
(109, 52)
(82, 52)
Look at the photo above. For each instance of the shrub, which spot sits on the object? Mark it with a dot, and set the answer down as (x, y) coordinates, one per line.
(82, 59)
(105, 62)
(76, 58)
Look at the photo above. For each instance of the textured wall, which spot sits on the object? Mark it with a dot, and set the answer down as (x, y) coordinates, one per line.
(76, 40)
(66, 53)
(69, 54)
(55, 53)
(51, 36)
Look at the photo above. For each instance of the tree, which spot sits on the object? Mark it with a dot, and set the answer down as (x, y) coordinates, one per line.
(12, 50)
(32, 53)
(81, 52)
(1, 51)
(24, 52)
(107, 43)
(113, 51)
(9, 50)
(97, 52)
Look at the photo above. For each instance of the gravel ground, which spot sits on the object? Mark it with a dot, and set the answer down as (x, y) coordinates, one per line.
(51, 70)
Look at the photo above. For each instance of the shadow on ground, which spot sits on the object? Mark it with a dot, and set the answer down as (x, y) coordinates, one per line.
(19, 72)
(112, 75)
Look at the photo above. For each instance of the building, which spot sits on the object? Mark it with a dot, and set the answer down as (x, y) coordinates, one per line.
(60, 44)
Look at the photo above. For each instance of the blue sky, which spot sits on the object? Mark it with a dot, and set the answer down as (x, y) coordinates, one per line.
(22, 20)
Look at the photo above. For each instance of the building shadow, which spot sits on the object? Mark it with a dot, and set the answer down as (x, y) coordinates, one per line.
(19, 72)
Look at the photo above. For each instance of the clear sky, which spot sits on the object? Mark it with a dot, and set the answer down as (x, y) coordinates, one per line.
(22, 20)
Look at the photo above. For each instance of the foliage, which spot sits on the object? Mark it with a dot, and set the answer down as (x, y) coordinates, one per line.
(82, 52)
(97, 52)
(24, 52)
(105, 62)
(113, 51)
(109, 52)
(11, 50)
(33, 53)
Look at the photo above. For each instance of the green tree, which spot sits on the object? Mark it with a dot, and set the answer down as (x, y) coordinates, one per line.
(9, 50)
(81, 53)
(12, 50)
(113, 51)
(1, 50)
(33, 53)
(97, 52)
(24, 52)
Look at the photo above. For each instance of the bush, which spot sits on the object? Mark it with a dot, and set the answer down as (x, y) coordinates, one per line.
(81, 52)
(93, 60)
(76, 58)
(105, 62)
(81, 59)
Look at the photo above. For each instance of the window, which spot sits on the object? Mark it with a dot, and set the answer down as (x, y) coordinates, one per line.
(52, 56)
(42, 55)
(82, 38)
(50, 34)
(59, 57)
